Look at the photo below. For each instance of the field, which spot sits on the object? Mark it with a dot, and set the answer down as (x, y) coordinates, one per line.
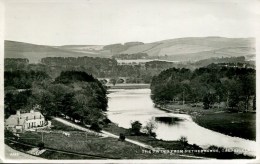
(234, 124)
(83, 145)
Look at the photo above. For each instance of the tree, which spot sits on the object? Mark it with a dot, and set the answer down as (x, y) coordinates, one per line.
(96, 127)
(206, 102)
(254, 103)
(136, 127)
(121, 137)
(45, 99)
(68, 105)
(150, 127)
(9, 104)
(113, 81)
(183, 141)
(40, 145)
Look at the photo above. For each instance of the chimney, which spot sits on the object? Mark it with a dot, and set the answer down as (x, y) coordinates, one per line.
(32, 111)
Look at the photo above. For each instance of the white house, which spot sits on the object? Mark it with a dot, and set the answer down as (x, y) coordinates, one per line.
(24, 121)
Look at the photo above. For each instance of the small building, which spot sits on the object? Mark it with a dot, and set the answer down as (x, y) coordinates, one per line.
(21, 122)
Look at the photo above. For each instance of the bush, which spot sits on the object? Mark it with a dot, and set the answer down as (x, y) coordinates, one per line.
(136, 127)
(121, 137)
(183, 140)
(95, 127)
(149, 127)
(40, 145)
(10, 135)
(107, 121)
(153, 134)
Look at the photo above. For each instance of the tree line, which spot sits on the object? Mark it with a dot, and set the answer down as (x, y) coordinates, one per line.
(74, 95)
(214, 84)
(105, 67)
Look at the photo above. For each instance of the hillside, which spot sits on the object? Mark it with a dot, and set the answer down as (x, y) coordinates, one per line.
(181, 49)
(35, 52)
(184, 49)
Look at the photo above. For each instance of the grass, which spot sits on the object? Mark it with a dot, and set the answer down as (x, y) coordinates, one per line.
(241, 125)
(173, 145)
(234, 124)
(86, 143)
(60, 126)
(17, 146)
(58, 155)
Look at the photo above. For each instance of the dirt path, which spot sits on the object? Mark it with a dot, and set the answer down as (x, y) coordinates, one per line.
(108, 134)
(104, 133)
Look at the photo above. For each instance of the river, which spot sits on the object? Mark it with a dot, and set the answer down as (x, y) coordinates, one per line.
(126, 105)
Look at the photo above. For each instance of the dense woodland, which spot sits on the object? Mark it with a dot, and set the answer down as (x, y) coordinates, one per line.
(74, 94)
(131, 56)
(68, 86)
(105, 67)
(232, 86)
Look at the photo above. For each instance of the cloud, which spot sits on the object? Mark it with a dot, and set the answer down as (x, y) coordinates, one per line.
(112, 21)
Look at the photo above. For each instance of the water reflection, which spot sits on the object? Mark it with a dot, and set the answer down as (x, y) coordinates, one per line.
(168, 120)
(135, 104)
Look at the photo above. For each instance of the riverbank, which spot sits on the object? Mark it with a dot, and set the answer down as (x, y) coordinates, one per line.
(184, 149)
(241, 125)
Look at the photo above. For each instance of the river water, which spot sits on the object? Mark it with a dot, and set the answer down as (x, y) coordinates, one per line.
(126, 105)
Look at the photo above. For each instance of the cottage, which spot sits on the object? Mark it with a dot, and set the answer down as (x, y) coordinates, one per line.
(24, 121)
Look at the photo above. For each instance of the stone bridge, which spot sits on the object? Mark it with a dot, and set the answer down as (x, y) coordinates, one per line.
(109, 80)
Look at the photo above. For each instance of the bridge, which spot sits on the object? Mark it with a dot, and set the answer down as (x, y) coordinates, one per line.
(116, 80)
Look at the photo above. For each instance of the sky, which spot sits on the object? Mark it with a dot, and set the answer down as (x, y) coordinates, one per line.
(101, 22)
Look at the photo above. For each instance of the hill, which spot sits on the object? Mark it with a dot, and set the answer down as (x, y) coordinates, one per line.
(180, 49)
(184, 49)
(35, 52)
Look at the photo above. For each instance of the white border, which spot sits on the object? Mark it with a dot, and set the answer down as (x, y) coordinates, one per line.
(2, 155)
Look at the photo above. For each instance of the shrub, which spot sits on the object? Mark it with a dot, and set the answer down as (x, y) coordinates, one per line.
(150, 127)
(95, 127)
(9, 134)
(40, 145)
(183, 140)
(121, 137)
(107, 121)
(153, 134)
(136, 127)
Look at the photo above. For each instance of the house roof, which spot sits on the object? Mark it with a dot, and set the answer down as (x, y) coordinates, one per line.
(16, 120)
(13, 120)
(30, 116)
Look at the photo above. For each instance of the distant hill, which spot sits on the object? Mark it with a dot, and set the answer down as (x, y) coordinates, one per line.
(184, 49)
(35, 52)
(181, 49)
